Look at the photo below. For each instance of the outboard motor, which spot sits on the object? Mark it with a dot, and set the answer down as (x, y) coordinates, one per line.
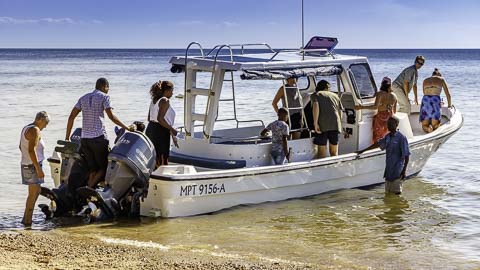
(130, 163)
(73, 174)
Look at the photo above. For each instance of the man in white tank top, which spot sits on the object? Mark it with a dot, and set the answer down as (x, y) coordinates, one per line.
(32, 150)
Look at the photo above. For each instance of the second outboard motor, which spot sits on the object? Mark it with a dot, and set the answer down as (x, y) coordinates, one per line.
(73, 174)
(130, 163)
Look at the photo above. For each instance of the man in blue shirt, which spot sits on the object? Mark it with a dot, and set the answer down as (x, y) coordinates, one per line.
(397, 156)
(94, 141)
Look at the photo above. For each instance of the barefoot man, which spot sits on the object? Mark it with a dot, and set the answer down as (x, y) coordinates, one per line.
(31, 146)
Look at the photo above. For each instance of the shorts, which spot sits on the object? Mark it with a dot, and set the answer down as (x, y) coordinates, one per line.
(403, 102)
(29, 175)
(96, 152)
(394, 186)
(278, 157)
(331, 136)
(430, 108)
(296, 121)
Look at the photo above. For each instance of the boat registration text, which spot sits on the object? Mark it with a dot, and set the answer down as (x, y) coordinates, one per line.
(202, 189)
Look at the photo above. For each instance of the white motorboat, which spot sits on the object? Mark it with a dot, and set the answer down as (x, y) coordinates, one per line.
(214, 169)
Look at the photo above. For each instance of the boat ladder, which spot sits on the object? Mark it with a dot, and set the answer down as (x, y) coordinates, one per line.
(213, 92)
(296, 107)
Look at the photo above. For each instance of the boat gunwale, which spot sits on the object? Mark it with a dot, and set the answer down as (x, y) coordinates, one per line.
(234, 173)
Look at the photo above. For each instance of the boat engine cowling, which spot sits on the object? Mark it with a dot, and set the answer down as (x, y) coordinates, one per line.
(73, 174)
(130, 164)
(70, 154)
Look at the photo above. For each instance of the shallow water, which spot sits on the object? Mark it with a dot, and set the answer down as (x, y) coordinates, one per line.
(434, 224)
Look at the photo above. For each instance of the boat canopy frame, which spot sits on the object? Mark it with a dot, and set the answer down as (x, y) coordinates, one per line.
(269, 64)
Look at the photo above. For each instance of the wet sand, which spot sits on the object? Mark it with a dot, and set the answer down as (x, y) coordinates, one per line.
(58, 250)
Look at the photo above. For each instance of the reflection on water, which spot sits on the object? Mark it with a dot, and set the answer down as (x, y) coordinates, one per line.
(395, 209)
(348, 227)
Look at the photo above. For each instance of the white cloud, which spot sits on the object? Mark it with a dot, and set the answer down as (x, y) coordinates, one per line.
(191, 23)
(66, 20)
(226, 24)
(10, 20)
(229, 24)
(57, 20)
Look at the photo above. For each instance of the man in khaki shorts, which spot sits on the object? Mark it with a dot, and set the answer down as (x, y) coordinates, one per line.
(405, 82)
(397, 156)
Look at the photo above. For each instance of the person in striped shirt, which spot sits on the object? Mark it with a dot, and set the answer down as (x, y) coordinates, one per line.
(94, 140)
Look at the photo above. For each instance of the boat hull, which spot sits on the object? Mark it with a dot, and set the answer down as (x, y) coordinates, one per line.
(212, 191)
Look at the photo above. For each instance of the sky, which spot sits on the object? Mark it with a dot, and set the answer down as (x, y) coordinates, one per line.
(173, 24)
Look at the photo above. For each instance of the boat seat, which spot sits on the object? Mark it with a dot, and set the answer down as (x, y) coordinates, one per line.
(404, 124)
(203, 162)
(245, 141)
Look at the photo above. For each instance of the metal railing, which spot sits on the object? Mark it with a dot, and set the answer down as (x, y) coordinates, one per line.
(215, 53)
(185, 76)
(240, 46)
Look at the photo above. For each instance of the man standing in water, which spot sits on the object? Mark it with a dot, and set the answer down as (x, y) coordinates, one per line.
(31, 146)
(404, 83)
(397, 154)
(94, 141)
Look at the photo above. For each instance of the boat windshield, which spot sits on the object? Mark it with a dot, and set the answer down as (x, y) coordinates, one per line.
(336, 85)
(363, 81)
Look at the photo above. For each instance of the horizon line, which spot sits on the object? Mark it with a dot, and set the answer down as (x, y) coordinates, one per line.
(149, 48)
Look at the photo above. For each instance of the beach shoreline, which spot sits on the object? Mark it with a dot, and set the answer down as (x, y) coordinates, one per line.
(28, 249)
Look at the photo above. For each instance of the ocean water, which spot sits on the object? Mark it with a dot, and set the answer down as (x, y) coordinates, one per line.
(433, 225)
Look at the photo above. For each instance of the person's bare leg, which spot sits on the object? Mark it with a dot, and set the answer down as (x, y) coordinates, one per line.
(322, 151)
(426, 126)
(97, 177)
(296, 135)
(33, 192)
(164, 160)
(91, 177)
(435, 124)
(333, 150)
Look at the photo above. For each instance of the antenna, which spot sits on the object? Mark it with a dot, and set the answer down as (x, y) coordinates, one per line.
(303, 35)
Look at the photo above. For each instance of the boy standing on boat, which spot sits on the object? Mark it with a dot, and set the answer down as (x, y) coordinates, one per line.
(405, 82)
(94, 141)
(397, 156)
(280, 132)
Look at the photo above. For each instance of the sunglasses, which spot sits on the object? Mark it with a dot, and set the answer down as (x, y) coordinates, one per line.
(420, 63)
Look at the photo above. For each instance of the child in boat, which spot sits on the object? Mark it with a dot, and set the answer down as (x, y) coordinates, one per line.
(280, 132)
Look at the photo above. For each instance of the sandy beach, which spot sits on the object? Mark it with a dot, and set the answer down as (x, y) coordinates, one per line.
(58, 250)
